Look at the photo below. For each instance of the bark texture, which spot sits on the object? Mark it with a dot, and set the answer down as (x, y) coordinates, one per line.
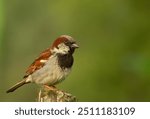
(55, 95)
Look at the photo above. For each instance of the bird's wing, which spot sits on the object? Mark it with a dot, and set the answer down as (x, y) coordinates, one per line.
(39, 62)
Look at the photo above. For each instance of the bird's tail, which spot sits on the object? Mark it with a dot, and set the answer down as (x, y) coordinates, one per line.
(19, 84)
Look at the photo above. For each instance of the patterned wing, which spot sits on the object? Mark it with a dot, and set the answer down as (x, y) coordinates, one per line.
(39, 62)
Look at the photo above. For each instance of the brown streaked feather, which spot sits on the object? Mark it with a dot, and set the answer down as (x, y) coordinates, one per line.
(58, 41)
(37, 64)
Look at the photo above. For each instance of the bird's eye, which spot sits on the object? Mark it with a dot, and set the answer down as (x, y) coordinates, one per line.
(68, 43)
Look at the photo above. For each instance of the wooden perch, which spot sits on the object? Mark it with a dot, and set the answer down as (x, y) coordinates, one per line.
(48, 95)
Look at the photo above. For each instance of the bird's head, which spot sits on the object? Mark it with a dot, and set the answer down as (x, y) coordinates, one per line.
(64, 45)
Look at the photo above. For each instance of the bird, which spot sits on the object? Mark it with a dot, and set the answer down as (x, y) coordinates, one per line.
(52, 66)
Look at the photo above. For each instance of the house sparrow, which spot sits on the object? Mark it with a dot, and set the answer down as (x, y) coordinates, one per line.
(53, 64)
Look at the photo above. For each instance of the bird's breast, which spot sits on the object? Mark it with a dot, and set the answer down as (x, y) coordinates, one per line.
(51, 73)
(65, 61)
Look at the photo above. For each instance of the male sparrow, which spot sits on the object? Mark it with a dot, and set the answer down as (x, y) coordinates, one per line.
(53, 64)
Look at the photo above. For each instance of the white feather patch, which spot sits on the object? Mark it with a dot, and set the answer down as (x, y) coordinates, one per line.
(43, 61)
(62, 49)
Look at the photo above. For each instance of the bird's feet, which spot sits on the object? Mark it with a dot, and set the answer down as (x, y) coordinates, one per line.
(52, 88)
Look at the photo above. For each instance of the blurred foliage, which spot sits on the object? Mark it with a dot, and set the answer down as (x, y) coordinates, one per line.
(112, 63)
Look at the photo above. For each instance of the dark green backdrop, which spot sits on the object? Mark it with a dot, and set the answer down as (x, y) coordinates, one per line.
(112, 63)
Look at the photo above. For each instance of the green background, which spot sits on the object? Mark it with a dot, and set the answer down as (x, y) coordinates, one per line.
(112, 63)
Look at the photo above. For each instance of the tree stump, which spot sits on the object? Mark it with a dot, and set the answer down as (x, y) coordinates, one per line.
(48, 95)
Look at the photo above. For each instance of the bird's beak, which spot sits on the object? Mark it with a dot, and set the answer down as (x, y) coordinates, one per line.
(74, 45)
